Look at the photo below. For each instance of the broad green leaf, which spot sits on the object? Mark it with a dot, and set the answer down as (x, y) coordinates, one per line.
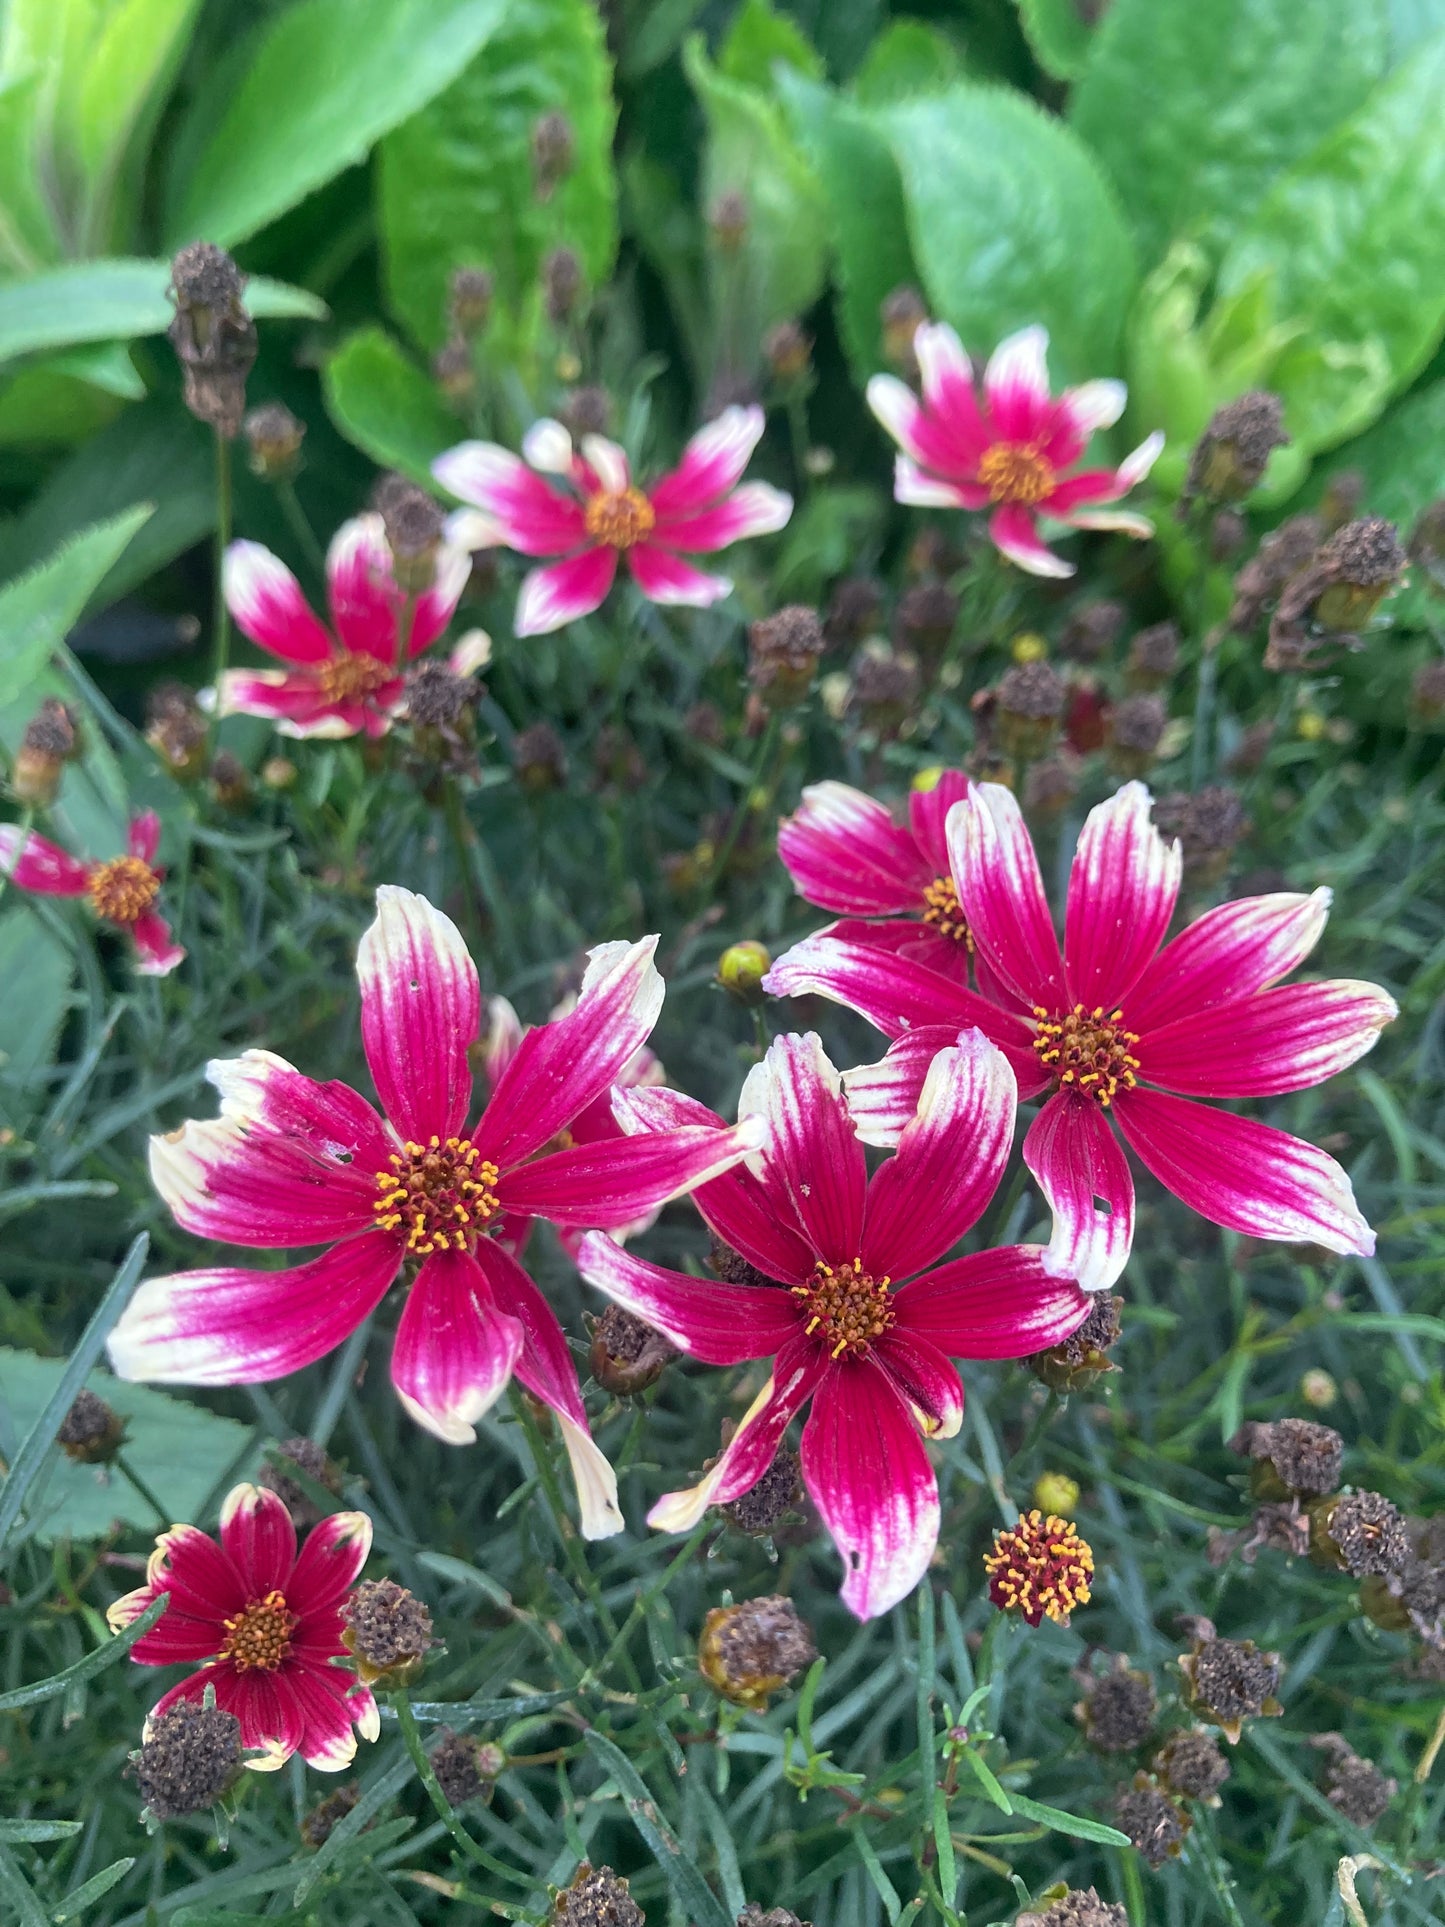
(1012, 222)
(180, 1451)
(65, 399)
(328, 78)
(757, 40)
(1197, 109)
(909, 57)
(27, 233)
(867, 218)
(115, 300)
(130, 66)
(457, 187)
(37, 970)
(655, 34)
(1354, 248)
(827, 536)
(38, 611)
(1058, 34)
(1411, 22)
(1402, 458)
(383, 403)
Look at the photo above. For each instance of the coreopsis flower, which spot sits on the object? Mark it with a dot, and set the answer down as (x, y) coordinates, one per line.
(122, 890)
(292, 1162)
(264, 1622)
(346, 679)
(831, 1250)
(593, 512)
(1040, 1569)
(1108, 1029)
(1005, 443)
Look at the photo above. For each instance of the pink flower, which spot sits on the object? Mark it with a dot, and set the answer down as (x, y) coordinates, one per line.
(1006, 449)
(266, 1624)
(291, 1162)
(348, 678)
(1109, 1029)
(825, 1246)
(122, 889)
(593, 513)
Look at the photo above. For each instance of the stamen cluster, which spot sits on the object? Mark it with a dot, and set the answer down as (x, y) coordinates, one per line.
(1088, 1051)
(944, 911)
(438, 1195)
(1040, 1568)
(260, 1636)
(848, 1306)
(620, 519)
(123, 889)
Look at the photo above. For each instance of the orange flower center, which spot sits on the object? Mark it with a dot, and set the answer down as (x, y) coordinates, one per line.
(944, 911)
(848, 1307)
(349, 679)
(437, 1196)
(1016, 472)
(123, 889)
(261, 1635)
(1088, 1051)
(620, 520)
(1040, 1568)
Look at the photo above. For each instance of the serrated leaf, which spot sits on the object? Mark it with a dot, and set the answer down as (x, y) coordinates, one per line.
(326, 80)
(1012, 222)
(383, 403)
(909, 57)
(457, 187)
(1058, 35)
(1237, 91)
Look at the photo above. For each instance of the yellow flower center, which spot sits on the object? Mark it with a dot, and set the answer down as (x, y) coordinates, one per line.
(1040, 1568)
(123, 889)
(1016, 472)
(1088, 1051)
(620, 520)
(260, 1636)
(437, 1196)
(847, 1306)
(349, 679)
(944, 912)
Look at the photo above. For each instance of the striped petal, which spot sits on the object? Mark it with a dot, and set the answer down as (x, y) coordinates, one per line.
(618, 1180)
(672, 581)
(420, 1014)
(923, 1376)
(455, 1349)
(1229, 952)
(1014, 532)
(1016, 386)
(563, 592)
(268, 607)
(330, 1562)
(534, 517)
(754, 509)
(1002, 895)
(34, 863)
(712, 463)
(720, 1324)
(1277, 1040)
(813, 1153)
(993, 1304)
(259, 1538)
(1085, 1177)
(845, 853)
(1123, 886)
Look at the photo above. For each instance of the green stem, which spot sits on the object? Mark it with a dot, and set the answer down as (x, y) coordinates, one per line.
(1203, 718)
(764, 782)
(642, 1604)
(446, 1813)
(460, 832)
(798, 434)
(299, 524)
(222, 623)
(124, 1466)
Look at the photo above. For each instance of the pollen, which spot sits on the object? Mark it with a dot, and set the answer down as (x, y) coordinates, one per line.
(437, 1196)
(350, 679)
(1016, 472)
(123, 889)
(1039, 1568)
(1088, 1051)
(847, 1306)
(943, 912)
(620, 519)
(260, 1637)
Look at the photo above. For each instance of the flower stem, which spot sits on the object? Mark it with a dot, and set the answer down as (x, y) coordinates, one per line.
(299, 524)
(123, 1465)
(642, 1604)
(764, 782)
(446, 1813)
(222, 619)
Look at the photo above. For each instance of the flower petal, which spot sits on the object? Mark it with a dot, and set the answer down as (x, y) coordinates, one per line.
(455, 1350)
(34, 863)
(813, 1153)
(1079, 414)
(868, 1474)
(547, 445)
(267, 605)
(1243, 1174)
(1085, 1178)
(949, 1160)
(1229, 952)
(719, 1323)
(711, 465)
(534, 517)
(993, 1304)
(883, 1097)
(550, 598)
(612, 1182)
(329, 1563)
(1123, 886)
(1277, 1040)
(757, 508)
(366, 604)
(928, 817)
(670, 580)
(560, 1067)
(608, 462)
(1112, 522)
(1014, 532)
(156, 953)
(1136, 465)
(259, 1538)
(436, 606)
(928, 442)
(1016, 385)
(288, 1161)
(924, 1377)
(332, 1705)
(421, 1009)
(948, 390)
(917, 488)
(1002, 895)
(845, 853)
(224, 1326)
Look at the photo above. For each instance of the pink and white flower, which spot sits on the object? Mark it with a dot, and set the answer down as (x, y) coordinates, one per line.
(1004, 444)
(123, 890)
(292, 1162)
(346, 679)
(826, 1247)
(1110, 1029)
(264, 1622)
(593, 512)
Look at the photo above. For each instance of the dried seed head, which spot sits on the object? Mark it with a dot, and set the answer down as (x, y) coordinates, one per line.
(539, 759)
(1154, 655)
(278, 1476)
(1427, 692)
(1136, 727)
(924, 619)
(49, 743)
(1075, 1907)
(90, 1433)
(414, 525)
(1032, 692)
(187, 1760)
(1228, 533)
(1281, 555)
(273, 441)
(627, 1353)
(618, 761)
(902, 314)
(1362, 562)
(1052, 783)
(1341, 500)
(230, 781)
(587, 411)
(1040, 1569)
(1230, 456)
(319, 1824)
(749, 1651)
(454, 371)
(753, 1916)
(1091, 630)
(1081, 1359)
(1353, 1786)
(1209, 824)
(455, 1760)
(1191, 1765)
(176, 729)
(597, 1897)
(469, 300)
(1361, 1532)
(733, 1267)
(1293, 1455)
(388, 1632)
(1230, 1681)
(884, 692)
(1155, 1824)
(561, 285)
(763, 1506)
(788, 351)
(783, 654)
(437, 699)
(212, 334)
(1118, 1708)
(554, 152)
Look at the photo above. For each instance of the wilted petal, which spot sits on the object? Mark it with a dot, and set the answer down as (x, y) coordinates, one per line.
(420, 1014)
(924, 1377)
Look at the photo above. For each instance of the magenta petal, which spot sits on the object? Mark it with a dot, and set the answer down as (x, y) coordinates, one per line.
(203, 1586)
(156, 953)
(437, 605)
(948, 390)
(224, 1326)
(928, 817)
(258, 1537)
(1002, 896)
(1277, 1040)
(1016, 386)
(179, 1638)
(845, 853)
(330, 1704)
(923, 1375)
(711, 465)
(292, 695)
(949, 1160)
(813, 1153)
(720, 1324)
(33, 863)
(534, 517)
(1122, 890)
(266, 601)
(1242, 1174)
(562, 592)
(366, 604)
(420, 1013)
(454, 1350)
(1085, 1178)
(883, 1097)
(329, 1563)
(668, 578)
(1229, 952)
(754, 509)
(926, 440)
(867, 1472)
(1089, 485)
(993, 1304)
(1014, 532)
(612, 1182)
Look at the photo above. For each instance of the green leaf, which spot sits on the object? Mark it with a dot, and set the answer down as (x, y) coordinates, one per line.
(180, 1451)
(99, 1884)
(909, 57)
(384, 403)
(328, 78)
(1355, 253)
(27, 231)
(757, 39)
(37, 970)
(116, 300)
(829, 533)
(456, 183)
(1058, 34)
(1069, 1823)
(1411, 22)
(37, 1831)
(38, 611)
(130, 66)
(94, 1662)
(1402, 458)
(697, 1901)
(1012, 222)
(1237, 91)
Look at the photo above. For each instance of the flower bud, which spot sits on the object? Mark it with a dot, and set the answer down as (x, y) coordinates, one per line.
(273, 441)
(1361, 1533)
(627, 1353)
(322, 1821)
(1040, 1569)
(1291, 1456)
(749, 1651)
(1281, 555)
(902, 314)
(539, 759)
(788, 351)
(1154, 656)
(1363, 562)
(925, 618)
(1155, 1824)
(279, 773)
(469, 300)
(176, 729)
(188, 1759)
(1086, 717)
(561, 285)
(884, 692)
(1118, 1709)
(49, 743)
(1073, 1907)
(1080, 1360)
(1191, 1766)
(278, 1476)
(213, 335)
(1230, 457)
(764, 1506)
(1030, 703)
(741, 969)
(1230, 1681)
(1091, 631)
(554, 152)
(90, 1433)
(597, 1897)
(388, 1632)
(457, 1761)
(414, 526)
(1354, 1787)
(1317, 1388)
(783, 654)
(728, 221)
(1055, 1492)
(1136, 727)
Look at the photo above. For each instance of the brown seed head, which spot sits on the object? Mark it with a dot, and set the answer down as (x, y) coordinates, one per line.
(454, 1760)
(554, 152)
(539, 758)
(1362, 1532)
(1052, 783)
(49, 743)
(1091, 631)
(902, 314)
(436, 699)
(1230, 1681)
(273, 441)
(414, 525)
(924, 619)
(597, 1897)
(561, 285)
(1209, 823)
(783, 653)
(1155, 1824)
(1230, 456)
(1353, 1786)
(1118, 1708)
(389, 1631)
(1136, 726)
(1303, 1457)
(761, 1508)
(1281, 555)
(1081, 1359)
(885, 689)
(278, 1476)
(90, 1433)
(469, 300)
(212, 334)
(853, 609)
(1154, 655)
(1075, 1907)
(749, 1651)
(788, 351)
(188, 1759)
(627, 1353)
(321, 1822)
(1191, 1765)
(753, 1916)
(587, 411)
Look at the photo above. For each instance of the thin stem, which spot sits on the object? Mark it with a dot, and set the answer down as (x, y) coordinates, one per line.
(798, 434)
(124, 1466)
(461, 835)
(411, 1739)
(642, 1604)
(222, 618)
(763, 783)
(300, 526)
